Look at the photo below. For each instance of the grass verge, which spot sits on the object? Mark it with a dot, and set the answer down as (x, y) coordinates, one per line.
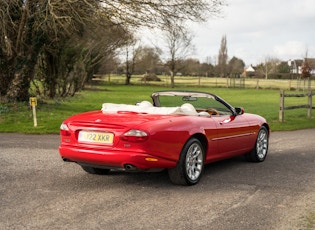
(50, 113)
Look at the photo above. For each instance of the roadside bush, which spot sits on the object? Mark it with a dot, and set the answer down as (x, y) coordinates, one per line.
(150, 77)
(4, 109)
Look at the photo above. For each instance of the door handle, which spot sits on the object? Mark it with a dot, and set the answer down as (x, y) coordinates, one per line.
(225, 121)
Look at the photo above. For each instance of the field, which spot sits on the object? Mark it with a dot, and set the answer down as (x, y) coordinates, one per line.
(262, 100)
(190, 81)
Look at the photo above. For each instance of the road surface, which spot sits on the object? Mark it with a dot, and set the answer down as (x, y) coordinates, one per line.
(40, 191)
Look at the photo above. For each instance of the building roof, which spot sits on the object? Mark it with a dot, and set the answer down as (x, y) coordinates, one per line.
(250, 69)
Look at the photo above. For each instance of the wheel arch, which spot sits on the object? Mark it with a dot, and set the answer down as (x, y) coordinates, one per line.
(267, 127)
(203, 140)
(189, 169)
(200, 137)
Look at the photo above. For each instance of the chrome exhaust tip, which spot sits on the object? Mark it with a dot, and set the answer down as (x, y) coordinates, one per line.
(129, 167)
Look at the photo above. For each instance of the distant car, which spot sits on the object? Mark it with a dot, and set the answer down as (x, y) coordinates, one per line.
(180, 131)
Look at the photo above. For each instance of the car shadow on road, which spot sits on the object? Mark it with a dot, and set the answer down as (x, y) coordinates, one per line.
(149, 179)
(277, 169)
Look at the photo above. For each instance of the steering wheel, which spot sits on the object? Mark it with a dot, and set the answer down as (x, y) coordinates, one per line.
(212, 111)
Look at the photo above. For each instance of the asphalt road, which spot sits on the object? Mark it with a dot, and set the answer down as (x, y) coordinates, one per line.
(39, 191)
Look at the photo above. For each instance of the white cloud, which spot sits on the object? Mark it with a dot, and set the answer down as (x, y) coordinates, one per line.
(290, 50)
(258, 29)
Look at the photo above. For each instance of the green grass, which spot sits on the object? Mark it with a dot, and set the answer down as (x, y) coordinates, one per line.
(50, 113)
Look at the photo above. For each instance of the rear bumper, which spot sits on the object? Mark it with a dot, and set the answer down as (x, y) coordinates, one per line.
(113, 159)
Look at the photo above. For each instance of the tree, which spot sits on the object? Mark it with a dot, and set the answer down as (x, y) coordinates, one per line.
(179, 44)
(207, 69)
(20, 41)
(269, 66)
(154, 13)
(306, 73)
(306, 69)
(236, 66)
(131, 53)
(148, 60)
(109, 65)
(223, 57)
(68, 63)
(30, 28)
(283, 67)
(191, 67)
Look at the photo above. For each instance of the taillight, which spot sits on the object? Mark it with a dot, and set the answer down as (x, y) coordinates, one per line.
(64, 130)
(135, 135)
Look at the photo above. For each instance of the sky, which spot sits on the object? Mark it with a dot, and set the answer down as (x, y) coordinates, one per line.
(258, 30)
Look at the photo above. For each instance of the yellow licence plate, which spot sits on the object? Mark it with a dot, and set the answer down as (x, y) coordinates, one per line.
(96, 137)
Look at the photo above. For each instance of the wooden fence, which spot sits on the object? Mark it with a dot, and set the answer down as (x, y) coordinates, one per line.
(308, 106)
(246, 83)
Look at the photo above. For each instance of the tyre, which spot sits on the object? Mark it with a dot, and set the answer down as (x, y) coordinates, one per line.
(92, 170)
(260, 150)
(190, 166)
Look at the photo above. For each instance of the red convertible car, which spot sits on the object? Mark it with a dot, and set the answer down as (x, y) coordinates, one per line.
(180, 131)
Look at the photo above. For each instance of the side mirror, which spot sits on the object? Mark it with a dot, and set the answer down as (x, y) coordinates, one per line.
(239, 110)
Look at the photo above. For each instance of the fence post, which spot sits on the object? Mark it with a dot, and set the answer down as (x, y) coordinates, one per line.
(309, 111)
(257, 84)
(281, 109)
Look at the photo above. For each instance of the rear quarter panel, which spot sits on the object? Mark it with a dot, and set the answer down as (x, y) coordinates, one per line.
(168, 136)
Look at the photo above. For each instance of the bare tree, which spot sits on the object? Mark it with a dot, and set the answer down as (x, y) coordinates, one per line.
(306, 70)
(131, 53)
(269, 66)
(223, 57)
(154, 13)
(148, 60)
(179, 45)
(192, 67)
(29, 26)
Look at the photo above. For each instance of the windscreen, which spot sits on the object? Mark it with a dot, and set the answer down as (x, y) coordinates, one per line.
(200, 103)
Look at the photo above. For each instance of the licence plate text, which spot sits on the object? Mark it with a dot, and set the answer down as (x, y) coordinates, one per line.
(96, 137)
